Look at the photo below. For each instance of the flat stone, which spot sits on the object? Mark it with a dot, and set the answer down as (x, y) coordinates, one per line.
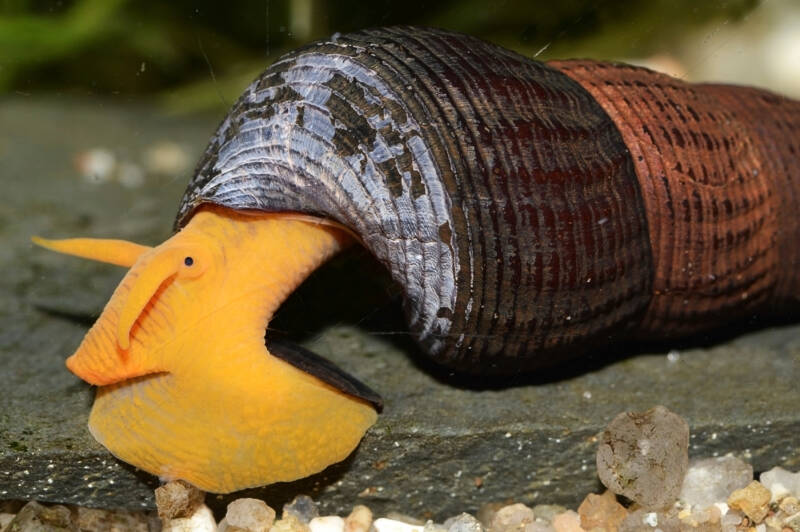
(442, 446)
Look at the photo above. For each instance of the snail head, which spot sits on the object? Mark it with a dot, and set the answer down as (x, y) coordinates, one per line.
(188, 388)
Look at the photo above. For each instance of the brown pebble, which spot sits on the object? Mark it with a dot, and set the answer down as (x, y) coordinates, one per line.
(487, 511)
(359, 520)
(34, 516)
(601, 511)
(97, 520)
(247, 515)
(177, 499)
(289, 523)
(568, 521)
(511, 518)
(753, 500)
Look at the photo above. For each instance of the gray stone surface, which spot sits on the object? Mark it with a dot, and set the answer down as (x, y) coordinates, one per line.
(439, 448)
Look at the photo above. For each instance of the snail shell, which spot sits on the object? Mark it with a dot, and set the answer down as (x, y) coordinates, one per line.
(529, 210)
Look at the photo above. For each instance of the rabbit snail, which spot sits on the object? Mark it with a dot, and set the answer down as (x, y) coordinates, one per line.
(528, 210)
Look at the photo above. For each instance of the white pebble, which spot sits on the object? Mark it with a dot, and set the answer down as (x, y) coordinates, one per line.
(202, 520)
(463, 523)
(711, 480)
(390, 525)
(327, 523)
(781, 483)
(511, 518)
(731, 519)
(722, 507)
(96, 165)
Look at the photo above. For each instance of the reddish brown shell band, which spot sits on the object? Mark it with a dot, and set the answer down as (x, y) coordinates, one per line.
(715, 168)
(774, 127)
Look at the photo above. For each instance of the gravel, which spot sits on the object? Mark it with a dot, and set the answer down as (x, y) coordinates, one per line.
(712, 495)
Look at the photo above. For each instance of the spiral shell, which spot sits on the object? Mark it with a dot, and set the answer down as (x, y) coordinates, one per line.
(528, 210)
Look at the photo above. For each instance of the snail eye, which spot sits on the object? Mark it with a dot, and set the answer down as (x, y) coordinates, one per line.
(192, 264)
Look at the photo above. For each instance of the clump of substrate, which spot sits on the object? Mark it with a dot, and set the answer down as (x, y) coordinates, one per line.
(642, 459)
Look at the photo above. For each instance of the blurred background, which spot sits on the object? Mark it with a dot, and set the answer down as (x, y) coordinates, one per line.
(190, 55)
